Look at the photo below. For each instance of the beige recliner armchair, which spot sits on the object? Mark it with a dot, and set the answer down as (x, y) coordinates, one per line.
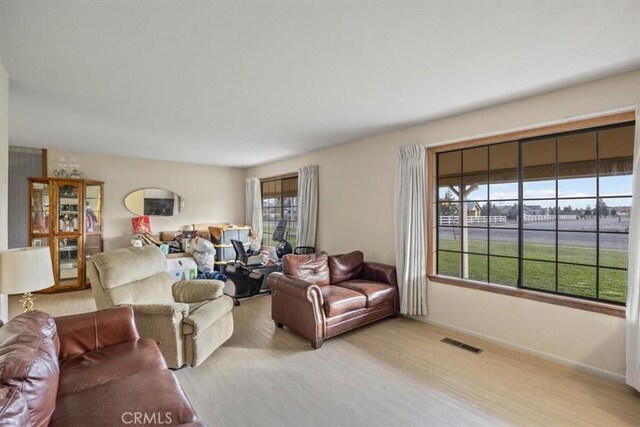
(188, 319)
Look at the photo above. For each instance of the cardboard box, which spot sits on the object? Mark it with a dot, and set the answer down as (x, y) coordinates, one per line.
(182, 268)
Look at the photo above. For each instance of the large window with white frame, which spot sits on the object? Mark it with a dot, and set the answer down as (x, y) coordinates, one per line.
(548, 213)
(279, 201)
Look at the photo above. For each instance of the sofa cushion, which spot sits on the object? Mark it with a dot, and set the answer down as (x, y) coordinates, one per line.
(158, 395)
(312, 268)
(338, 300)
(376, 292)
(29, 362)
(345, 267)
(97, 367)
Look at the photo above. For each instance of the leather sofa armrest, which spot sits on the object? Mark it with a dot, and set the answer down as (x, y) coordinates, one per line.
(298, 305)
(296, 288)
(377, 272)
(13, 408)
(81, 333)
(187, 291)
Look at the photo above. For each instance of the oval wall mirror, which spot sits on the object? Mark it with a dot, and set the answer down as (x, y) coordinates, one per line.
(154, 202)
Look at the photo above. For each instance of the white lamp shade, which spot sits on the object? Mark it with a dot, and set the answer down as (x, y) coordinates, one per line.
(25, 270)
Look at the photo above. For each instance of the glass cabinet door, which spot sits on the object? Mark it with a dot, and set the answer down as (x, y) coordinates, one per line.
(39, 208)
(93, 208)
(67, 263)
(92, 222)
(68, 208)
(92, 246)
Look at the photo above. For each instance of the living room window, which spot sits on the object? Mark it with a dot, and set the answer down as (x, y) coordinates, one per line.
(279, 201)
(548, 213)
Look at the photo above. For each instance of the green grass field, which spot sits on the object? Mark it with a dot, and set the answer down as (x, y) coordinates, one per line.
(572, 279)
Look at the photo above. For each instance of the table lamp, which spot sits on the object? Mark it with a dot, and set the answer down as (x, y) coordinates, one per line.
(25, 270)
(141, 224)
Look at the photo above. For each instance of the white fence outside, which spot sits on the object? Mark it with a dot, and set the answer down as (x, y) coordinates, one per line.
(534, 218)
(499, 219)
(481, 219)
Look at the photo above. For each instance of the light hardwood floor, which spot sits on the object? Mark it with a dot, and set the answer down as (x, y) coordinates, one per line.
(391, 373)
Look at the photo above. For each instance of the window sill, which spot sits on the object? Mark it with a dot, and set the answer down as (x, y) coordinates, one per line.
(598, 307)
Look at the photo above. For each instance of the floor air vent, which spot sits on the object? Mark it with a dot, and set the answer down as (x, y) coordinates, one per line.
(461, 345)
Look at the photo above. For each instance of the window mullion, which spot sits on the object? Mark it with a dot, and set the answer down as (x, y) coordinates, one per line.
(488, 250)
(464, 257)
(557, 203)
(598, 215)
(520, 176)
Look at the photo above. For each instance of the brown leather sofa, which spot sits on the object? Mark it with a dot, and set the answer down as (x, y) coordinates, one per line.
(87, 369)
(320, 296)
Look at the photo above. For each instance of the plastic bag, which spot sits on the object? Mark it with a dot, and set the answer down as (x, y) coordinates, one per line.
(202, 245)
(254, 244)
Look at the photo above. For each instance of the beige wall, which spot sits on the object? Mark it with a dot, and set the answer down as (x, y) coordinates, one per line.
(4, 174)
(356, 212)
(211, 193)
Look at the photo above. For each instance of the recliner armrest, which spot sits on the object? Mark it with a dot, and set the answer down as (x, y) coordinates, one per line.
(377, 272)
(81, 333)
(163, 323)
(296, 288)
(176, 308)
(207, 315)
(186, 291)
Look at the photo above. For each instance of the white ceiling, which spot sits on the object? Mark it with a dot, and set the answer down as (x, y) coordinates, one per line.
(235, 83)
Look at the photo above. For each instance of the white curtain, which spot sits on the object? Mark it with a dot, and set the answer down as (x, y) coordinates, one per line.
(253, 203)
(307, 205)
(633, 293)
(410, 201)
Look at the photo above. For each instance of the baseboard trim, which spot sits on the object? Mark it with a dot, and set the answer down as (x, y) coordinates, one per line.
(548, 356)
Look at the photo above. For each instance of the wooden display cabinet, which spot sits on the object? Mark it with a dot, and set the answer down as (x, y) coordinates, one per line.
(66, 215)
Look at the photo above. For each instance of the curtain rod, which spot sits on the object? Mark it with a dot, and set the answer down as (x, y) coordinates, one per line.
(567, 119)
(284, 175)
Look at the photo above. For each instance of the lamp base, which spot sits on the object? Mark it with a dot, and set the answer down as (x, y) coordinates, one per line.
(27, 302)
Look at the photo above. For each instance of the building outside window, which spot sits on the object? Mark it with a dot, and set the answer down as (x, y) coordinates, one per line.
(548, 214)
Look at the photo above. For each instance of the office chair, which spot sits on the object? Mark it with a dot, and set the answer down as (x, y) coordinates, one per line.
(242, 255)
(304, 250)
(247, 277)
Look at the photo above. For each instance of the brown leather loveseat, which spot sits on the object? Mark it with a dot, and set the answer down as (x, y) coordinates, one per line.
(87, 369)
(320, 296)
